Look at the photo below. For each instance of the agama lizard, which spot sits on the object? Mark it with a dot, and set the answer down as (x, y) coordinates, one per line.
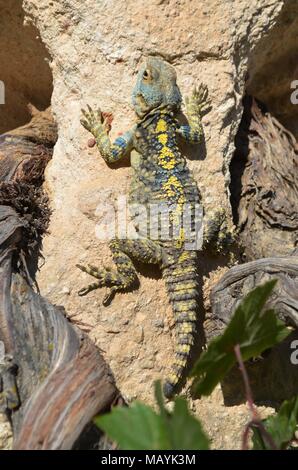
(161, 177)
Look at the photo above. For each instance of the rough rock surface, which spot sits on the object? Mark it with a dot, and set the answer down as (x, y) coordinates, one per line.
(24, 71)
(96, 48)
(5, 434)
(273, 66)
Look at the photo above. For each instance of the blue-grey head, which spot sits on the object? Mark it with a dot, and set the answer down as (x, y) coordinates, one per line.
(156, 87)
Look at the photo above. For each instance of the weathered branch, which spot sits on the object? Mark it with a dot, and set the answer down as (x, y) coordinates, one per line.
(264, 198)
(240, 279)
(264, 186)
(53, 379)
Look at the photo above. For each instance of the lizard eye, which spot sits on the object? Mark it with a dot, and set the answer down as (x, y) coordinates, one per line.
(146, 75)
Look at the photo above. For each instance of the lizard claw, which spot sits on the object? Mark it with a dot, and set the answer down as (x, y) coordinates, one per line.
(199, 100)
(83, 291)
(109, 296)
(201, 96)
(91, 118)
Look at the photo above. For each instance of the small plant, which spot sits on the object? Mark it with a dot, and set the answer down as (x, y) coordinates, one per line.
(250, 332)
(281, 427)
(141, 428)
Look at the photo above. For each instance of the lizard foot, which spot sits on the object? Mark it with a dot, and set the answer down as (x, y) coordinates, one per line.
(198, 103)
(95, 121)
(106, 278)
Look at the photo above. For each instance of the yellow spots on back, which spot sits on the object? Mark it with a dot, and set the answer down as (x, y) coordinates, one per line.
(166, 158)
(161, 126)
(181, 238)
(162, 138)
(185, 256)
(174, 189)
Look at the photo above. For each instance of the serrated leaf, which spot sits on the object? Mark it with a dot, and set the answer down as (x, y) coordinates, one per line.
(135, 428)
(253, 330)
(141, 428)
(281, 426)
(185, 431)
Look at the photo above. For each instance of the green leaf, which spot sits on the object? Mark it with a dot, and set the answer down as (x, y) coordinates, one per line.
(134, 428)
(141, 428)
(281, 426)
(184, 430)
(251, 329)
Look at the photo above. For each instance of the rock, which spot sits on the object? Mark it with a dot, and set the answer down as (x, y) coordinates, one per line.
(65, 290)
(138, 334)
(159, 323)
(5, 433)
(149, 364)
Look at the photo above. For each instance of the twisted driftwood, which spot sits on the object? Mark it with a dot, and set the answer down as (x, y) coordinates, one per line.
(274, 378)
(241, 279)
(264, 198)
(53, 379)
(265, 186)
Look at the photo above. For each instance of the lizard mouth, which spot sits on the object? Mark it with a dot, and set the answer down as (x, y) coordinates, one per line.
(142, 107)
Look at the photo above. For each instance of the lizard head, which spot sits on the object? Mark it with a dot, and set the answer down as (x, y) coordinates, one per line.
(156, 88)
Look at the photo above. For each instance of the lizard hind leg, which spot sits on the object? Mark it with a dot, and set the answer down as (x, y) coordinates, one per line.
(123, 250)
(217, 235)
(125, 276)
(105, 277)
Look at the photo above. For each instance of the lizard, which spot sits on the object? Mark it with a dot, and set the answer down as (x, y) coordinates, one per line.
(161, 176)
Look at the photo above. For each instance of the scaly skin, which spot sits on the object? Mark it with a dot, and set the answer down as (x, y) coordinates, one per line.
(161, 176)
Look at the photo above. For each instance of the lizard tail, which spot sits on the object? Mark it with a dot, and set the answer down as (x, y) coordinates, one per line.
(181, 282)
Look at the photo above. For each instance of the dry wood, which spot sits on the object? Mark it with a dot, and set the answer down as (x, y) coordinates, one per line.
(265, 186)
(264, 195)
(53, 379)
(241, 279)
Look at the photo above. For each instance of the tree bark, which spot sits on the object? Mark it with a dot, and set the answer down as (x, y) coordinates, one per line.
(53, 379)
(264, 195)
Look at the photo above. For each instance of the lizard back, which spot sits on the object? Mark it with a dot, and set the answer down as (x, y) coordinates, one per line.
(164, 185)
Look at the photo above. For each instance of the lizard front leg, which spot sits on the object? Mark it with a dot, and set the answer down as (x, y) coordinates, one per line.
(196, 106)
(98, 124)
(125, 276)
